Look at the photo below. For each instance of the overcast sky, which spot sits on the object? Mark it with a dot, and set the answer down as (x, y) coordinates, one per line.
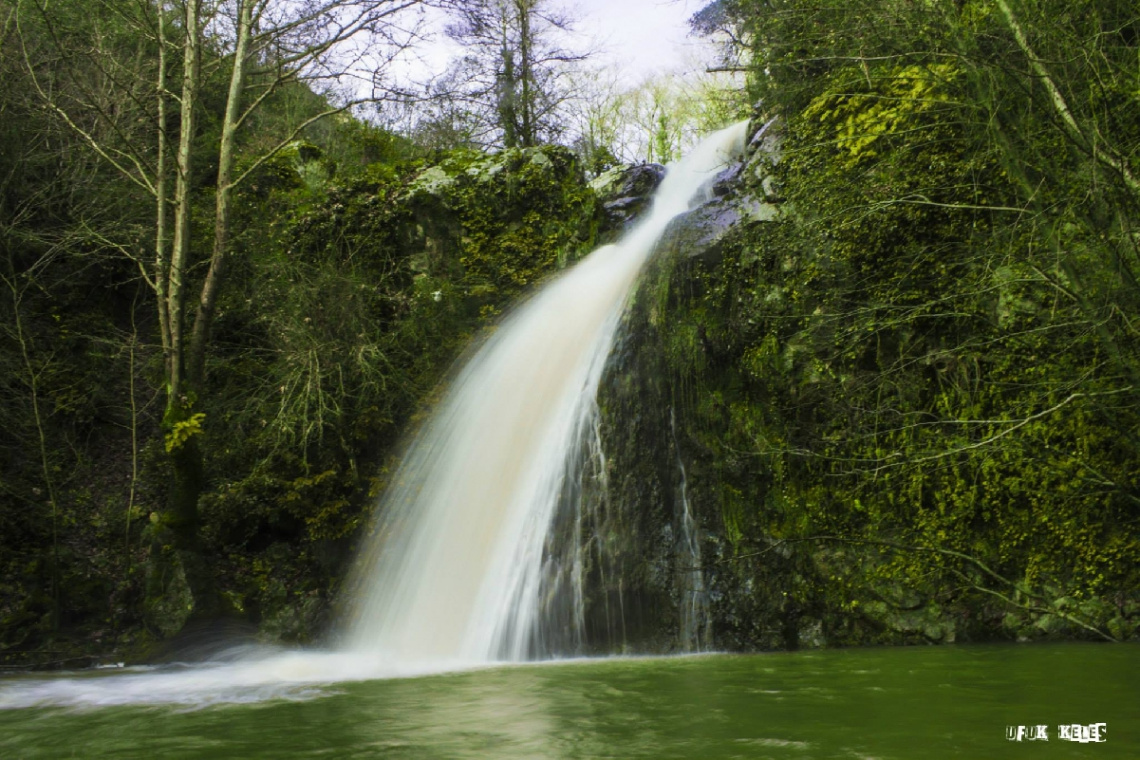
(643, 37)
(633, 38)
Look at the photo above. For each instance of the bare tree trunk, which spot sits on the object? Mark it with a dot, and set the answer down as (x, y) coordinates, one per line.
(527, 136)
(45, 464)
(1061, 106)
(203, 320)
(181, 249)
(177, 545)
(134, 444)
(161, 264)
(507, 84)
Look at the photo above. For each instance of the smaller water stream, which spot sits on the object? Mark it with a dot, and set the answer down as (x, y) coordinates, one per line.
(695, 621)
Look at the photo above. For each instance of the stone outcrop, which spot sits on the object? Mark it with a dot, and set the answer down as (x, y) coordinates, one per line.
(625, 191)
(643, 577)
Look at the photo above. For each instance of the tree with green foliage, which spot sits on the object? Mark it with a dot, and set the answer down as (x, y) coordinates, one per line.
(116, 100)
(657, 120)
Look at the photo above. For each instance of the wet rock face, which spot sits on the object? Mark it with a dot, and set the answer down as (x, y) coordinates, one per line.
(701, 232)
(625, 191)
(672, 388)
(665, 396)
(740, 194)
(727, 183)
(628, 181)
(633, 603)
(657, 468)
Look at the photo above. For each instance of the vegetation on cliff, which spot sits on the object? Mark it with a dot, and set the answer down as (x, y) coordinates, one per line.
(902, 375)
(911, 405)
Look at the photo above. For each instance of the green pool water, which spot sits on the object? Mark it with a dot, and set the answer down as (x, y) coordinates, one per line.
(922, 703)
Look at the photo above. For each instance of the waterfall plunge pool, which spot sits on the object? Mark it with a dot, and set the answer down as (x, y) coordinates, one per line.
(884, 703)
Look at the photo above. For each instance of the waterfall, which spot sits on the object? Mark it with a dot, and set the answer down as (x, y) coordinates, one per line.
(462, 561)
(694, 624)
(453, 568)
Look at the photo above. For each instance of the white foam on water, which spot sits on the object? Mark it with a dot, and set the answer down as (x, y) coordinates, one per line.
(254, 677)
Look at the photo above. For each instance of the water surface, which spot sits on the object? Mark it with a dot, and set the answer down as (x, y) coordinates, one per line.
(926, 703)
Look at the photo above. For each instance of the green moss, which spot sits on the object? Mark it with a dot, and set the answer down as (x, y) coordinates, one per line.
(890, 410)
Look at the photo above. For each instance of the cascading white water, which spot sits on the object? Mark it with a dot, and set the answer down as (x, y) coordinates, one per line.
(454, 568)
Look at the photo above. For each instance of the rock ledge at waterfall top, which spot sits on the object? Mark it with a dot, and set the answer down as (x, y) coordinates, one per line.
(625, 191)
(744, 192)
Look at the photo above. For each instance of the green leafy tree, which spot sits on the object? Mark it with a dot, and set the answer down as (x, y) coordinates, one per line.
(118, 101)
